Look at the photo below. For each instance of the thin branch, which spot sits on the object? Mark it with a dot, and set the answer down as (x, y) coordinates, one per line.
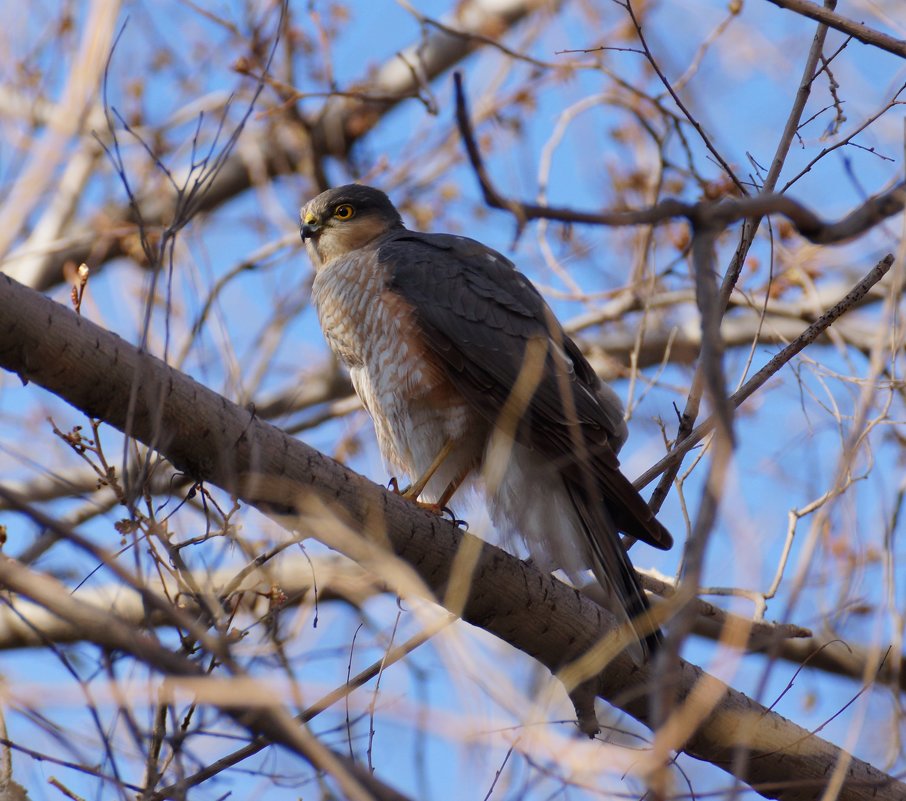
(627, 4)
(747, 237)
(773, 366)
(259, 743)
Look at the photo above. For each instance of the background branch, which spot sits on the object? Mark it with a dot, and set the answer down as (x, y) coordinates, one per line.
(850, 27)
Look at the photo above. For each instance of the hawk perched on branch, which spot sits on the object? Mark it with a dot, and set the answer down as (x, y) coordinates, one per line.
(465, 370)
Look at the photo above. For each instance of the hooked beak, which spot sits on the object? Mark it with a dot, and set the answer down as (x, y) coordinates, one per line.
(310, 226)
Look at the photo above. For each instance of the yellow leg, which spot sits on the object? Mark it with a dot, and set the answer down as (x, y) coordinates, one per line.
(450, 491)
(412, 492)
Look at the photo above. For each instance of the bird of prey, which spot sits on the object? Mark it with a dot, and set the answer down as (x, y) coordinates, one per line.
(466, 373)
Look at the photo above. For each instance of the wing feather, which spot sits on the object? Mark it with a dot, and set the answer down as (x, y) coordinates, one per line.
(478, 313)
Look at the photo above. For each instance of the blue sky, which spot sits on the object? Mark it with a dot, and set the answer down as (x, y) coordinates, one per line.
(788, 441)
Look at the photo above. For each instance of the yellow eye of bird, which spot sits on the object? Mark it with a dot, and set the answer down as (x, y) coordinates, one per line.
(344, 212)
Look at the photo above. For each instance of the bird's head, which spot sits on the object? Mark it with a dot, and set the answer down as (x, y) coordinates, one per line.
(344, 219)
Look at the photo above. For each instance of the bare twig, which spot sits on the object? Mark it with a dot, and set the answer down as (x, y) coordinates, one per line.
(627, 4)
(747, 237)
(103, 628)
(718, 214)
(758, 380)
(259, 743)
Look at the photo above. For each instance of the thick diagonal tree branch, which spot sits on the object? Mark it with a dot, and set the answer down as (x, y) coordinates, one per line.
(216, 441)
